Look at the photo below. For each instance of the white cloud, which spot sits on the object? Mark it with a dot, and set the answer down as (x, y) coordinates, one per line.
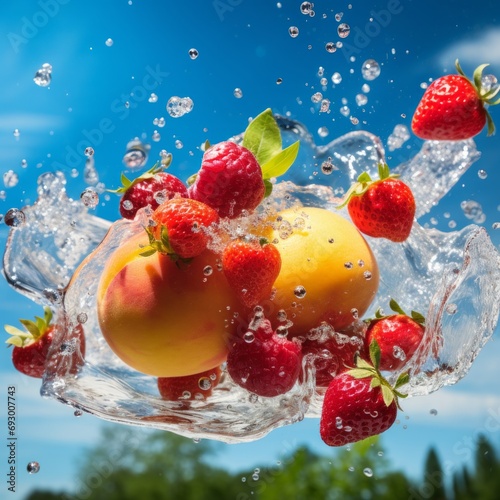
(473, 51)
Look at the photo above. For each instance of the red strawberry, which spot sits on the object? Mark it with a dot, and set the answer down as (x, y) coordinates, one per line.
(397, 335)
(230, 180)
(333, 353)
(198, 386)
(263, 362)
(181, 228)
(359, 404)
(151, 188)
(453, 107)
(251, 268)
(32, 346)
(384, 208)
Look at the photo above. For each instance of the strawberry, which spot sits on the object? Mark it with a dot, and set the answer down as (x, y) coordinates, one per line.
(197, 386)
(263, 362)
(180, 228)
(359, 403)
(333, 353)
(251, 268)
(32, 345)
(453, 107)
(384, 208)
(397, 335)
(230, 180)
(151, 188)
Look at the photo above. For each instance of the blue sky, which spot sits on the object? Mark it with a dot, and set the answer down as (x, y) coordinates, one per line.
(246, 45)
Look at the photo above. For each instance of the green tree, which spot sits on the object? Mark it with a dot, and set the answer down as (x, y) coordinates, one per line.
(486, 478)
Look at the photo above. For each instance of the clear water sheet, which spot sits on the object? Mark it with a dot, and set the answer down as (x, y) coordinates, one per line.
(452, 278)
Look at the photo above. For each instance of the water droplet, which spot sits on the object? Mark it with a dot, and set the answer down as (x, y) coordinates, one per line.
(495, 225)
(43, 76)
(109, 42)
(89, 197)
(33, 467)
(338, 423)
(327, 167)
(136, 154)
(179, 106)
(344, 110)
(331, 47)
(370, 69)
(367, 472)
(285, 230)
(253, 398)
(398, 353)
(89, 152)
(338, 17)
(325, 106)
(238, 93)
(343, 30)
(433, 412)
(351, 469)
(336, 78)
(16, 132)
(156, 137)
(293, 31)
(482, 174)
(208, 270)
(367, 275)
(323, 132)
(249, 337)
(348, 265)
(205, 383)
(306, 8)
(361, 99)
(279, 81)
(473, 210)
(178, 144)
(14, 217)
(10, 178)
(193, 54)
(82, 318)
(317, 97)
(78, 413)
(451, 308)
(153, 98)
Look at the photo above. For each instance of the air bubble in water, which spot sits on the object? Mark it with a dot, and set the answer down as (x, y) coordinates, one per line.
(293, 31)
(204, 383)
(89, 197)
(325, 106)
(361, 99)
(109, 42)
(208, 270)
(331, 47)
(336, 78)
(238, 93)
(10, 178)
(136, 154)
(433, 412)
(156, 136)
(179, 106)
(316, 97)
(249, 337)
(306, 8)
(482, 174)
(299, 292)
(82, 318)
(43, 76)
(327, 167)
(14, 217)
(78, 413)
(451, 308)
(323, 132)
(370, 69)
(153, 97)
(343, 30)
(473, 210)
(179, 144)
(16, 132)
(193, 53)
(89, 152)
(398, 353)
(33, 467)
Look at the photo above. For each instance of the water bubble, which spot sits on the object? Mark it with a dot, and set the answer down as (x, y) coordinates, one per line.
(161, 122)
(348, 265)
(325, 106)
(344, 110)
(136, 154)
(317, 97)
(343, 30)
(473, 210)
(451, 308)
(89, 197)
(336, 78)
(367, 472)
(327, 167)
(153, 97)
(351, 469)
(33, 467)
(16, 132)
(338, 423)
(398, 353)
(10, 178)
(193, 54)
(249, 337)
(285, 230)
(52, 295)
(238, 93)
(482, 174)
(43, 76)
(495, 225)
(89, 152)
(82, 318)
(279, 81)
(299, 292)
(14, 217)
(90, 174)
(488, 82)
(433, 412)
(205, 383)
(178, 144)
(24, 163)
(339, 16)
(323, 132)
(370, 69)
(293, 31)
(331, 47)
(156, 137)
(179, 106)
(208, 270)
(109, 42)
(361, 99)
(306, 8)
(367, 275)
(78, 413)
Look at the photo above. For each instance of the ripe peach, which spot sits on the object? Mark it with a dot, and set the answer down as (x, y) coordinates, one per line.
(164, 319)
(328, 271)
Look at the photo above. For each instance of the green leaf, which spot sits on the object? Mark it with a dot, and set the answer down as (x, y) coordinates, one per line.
(419, 318)
(281, 162)
(148, 252)
(375, 382)
(16, 341)
(396, 307)
(31, 327)
(16, 332)
(383, 171)
(375, 354)
(361, 363)
(360, 373)
(387, 395)
(262, 137)
(403, 379)
(477, 76)
(269, 188)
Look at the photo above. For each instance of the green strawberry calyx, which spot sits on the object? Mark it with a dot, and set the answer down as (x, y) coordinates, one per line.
(161, 245)
(33, 330)
(364, 181)
(395, 307)
(364, 369)
(157, 168)
(487, 96)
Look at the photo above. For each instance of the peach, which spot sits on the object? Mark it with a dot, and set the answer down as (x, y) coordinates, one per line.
(164, 319)
(328, 271)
